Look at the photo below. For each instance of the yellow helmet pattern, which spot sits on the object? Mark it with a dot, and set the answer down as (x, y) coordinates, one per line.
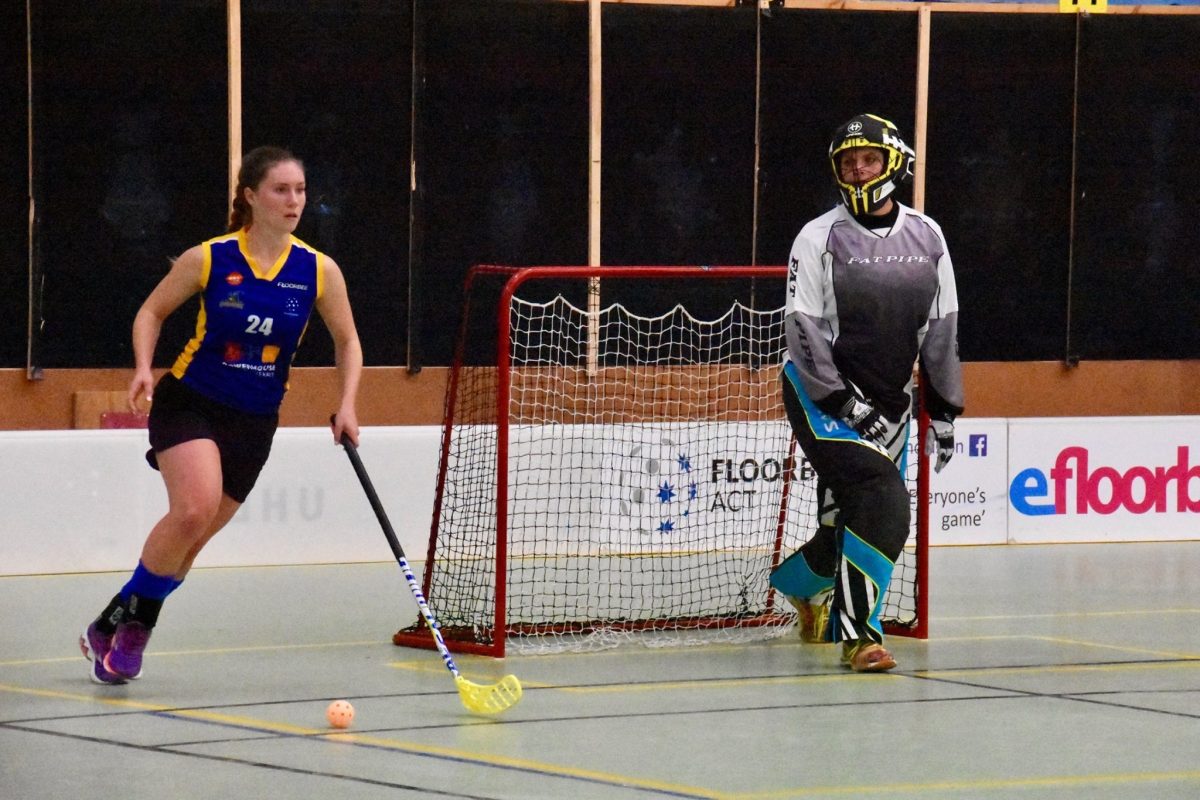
(868, 130)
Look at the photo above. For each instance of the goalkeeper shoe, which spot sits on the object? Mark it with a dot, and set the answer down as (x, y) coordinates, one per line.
(125, 657)
(867, 656)
(95, 646)
(813, 619)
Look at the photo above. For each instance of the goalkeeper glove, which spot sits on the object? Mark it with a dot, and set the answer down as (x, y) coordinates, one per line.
(939, 439)
(864, 418)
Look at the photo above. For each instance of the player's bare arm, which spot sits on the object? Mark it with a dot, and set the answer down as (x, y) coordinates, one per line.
(179, 284)
(334, 307)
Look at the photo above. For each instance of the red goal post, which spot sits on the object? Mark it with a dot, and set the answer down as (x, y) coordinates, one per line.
(626, 472)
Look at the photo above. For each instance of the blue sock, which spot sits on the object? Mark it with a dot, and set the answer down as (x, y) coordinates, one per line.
(145, 583)
(174, 585)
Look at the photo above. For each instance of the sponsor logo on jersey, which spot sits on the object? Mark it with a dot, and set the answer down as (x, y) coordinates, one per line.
(888, 260)
(303, 287)
(234, 279)
(260, 361)
(232, 300)
(259, 370)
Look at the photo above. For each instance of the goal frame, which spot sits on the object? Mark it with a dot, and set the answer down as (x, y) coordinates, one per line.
(416, 636)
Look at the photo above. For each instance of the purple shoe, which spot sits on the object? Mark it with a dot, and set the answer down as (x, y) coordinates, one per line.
(125, 657)
(96, 646)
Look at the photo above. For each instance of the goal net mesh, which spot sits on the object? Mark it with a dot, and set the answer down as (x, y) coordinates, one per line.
(620, 475)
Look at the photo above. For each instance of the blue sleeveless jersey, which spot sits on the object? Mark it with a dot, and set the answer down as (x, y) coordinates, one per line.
(250, 323)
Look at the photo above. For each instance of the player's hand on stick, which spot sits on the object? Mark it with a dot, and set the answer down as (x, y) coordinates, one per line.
(344, 423)
(939, 439)
(864, 418)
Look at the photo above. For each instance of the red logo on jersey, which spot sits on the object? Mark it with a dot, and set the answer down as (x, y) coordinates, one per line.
(233, 352)
(234, 279)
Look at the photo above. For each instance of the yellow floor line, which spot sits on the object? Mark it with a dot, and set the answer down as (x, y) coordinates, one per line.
(1069, 614)
(412, 748)
(971, 788)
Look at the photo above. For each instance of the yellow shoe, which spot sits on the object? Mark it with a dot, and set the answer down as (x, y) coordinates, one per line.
(867, 656)
(813, 620)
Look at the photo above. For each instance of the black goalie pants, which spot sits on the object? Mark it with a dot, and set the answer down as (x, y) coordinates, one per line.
(863, 515)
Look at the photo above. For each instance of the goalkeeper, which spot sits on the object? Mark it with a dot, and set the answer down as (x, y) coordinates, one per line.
(870, 286)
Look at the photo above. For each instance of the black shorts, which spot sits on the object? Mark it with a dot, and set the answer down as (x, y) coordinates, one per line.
(180, 414)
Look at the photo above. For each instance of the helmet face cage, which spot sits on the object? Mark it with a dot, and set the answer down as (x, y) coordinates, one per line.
(868, 130)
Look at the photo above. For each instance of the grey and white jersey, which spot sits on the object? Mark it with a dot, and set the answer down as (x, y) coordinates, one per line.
(862, 304)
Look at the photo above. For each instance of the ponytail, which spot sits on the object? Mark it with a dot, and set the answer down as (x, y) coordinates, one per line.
(255, 166)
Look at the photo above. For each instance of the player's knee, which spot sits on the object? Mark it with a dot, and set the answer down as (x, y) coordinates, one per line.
(192, 516)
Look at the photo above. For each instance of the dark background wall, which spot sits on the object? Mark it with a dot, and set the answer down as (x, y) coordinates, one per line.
(14, 181)
(334, 85)
(999, 175)
(1135, 291)
(129, 165)
(129, 154)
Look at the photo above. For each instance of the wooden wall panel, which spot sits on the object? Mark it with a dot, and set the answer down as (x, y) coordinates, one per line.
(390, 396)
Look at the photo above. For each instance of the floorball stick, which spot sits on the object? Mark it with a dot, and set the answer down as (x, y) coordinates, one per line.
(480, 698)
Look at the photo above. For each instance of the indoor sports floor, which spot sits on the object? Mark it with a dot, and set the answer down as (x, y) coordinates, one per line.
(1052, 671)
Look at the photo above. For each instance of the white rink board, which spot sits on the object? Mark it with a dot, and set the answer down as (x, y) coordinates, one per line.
(83, 501)
(658, 488)
(1104, 479)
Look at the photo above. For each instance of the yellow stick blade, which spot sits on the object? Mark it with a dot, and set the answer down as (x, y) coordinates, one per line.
(489, 699)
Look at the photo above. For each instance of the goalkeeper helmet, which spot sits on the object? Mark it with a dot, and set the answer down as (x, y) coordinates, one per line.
(868, 130)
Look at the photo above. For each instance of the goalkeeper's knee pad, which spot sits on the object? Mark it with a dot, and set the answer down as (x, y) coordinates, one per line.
(795, 578)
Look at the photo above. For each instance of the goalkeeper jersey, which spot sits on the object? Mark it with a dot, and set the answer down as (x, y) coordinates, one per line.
(250, 323)
(862, 304)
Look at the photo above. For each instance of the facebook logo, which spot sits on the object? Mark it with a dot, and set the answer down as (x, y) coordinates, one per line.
(977, 444)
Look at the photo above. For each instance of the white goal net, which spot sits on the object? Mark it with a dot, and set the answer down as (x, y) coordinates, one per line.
(615, 475)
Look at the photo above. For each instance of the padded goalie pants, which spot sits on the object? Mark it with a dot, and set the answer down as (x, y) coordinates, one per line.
(863, 516)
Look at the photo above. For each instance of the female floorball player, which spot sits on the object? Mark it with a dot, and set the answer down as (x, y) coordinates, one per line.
(214, 414)
(870, 285)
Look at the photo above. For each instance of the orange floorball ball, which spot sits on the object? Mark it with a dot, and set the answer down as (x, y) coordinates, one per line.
(340, 714)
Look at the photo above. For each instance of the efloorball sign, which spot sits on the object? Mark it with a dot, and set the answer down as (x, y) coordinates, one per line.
(1103, 479)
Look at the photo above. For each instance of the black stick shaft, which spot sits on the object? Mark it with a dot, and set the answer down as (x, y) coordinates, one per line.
(369, 488)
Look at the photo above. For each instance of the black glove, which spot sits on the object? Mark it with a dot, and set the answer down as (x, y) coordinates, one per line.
(864, 418)
(939, 438)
